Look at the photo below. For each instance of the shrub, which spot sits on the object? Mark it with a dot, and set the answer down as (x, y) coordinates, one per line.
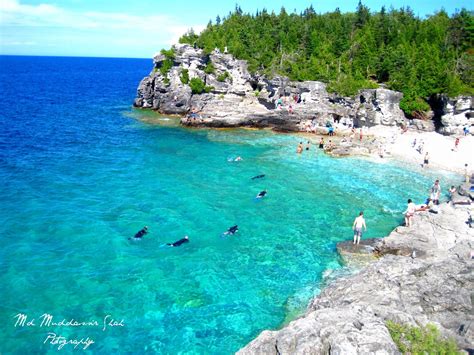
(208, 89)
(197, 85)
(424, 340)
(222, 77)
(184, 77)
(166, 81)
(257, 93)
(166, 66)
(412, 105)
(209, 69)
(169, 54)
(347, 85)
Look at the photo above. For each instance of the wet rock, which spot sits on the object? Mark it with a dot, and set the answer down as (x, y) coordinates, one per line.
(349, 316)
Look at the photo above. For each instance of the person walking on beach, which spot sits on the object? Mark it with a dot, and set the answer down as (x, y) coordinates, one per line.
(409, 213)
(466, 174)
(456, 144)
(426, 160)
(435, 192)
(360, 134)
(357, 226)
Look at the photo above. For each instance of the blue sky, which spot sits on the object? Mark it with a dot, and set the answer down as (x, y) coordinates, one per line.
(138, 29)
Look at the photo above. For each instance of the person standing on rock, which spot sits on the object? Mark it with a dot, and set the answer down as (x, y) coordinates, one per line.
(357, 226)
(435, 192)
(409, 213)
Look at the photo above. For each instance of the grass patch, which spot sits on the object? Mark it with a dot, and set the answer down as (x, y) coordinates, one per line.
(420, 340)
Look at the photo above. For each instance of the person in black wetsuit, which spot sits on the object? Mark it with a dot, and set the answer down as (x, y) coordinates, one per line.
(258, 177)
(140, 233)
(261, 194)
(179, 242)
(232, 230)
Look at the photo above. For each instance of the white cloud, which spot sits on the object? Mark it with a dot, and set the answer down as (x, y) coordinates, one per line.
(126, 28)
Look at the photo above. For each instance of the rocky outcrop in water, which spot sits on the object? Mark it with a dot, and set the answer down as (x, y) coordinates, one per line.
(234, 97)
(424, 275)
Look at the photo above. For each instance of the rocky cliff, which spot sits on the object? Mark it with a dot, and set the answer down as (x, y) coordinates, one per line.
(234, 97)
(237, 98)
(425, 275)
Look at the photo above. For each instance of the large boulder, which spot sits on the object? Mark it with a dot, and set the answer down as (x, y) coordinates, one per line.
(454, 114)
(379, 107)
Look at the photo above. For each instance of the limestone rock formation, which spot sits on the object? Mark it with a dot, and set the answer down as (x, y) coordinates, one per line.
(453, 115)
(424, 275)
(234, 97)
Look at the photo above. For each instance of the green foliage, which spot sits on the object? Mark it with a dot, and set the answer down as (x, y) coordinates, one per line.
(166, 81)
(189, 37)
(257, 93)
(425, 340)
(169, 54)
(350, 51)
(223, 77)
(347, 85)
(166, 65)
(208, 89)
(209, 69)
(184, 77)
(197, 85)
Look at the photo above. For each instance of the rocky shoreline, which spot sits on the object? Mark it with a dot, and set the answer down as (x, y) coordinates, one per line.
(230, 96)
(417, 275)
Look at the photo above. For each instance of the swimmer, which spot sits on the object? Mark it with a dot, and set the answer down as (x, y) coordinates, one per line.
(179, 242)
(299, 149)
(258, 177)
(261, 194)
(232, 230)
(140, 233)
(239, 158)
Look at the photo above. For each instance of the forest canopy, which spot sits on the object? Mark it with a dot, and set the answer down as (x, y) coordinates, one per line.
(355, 50)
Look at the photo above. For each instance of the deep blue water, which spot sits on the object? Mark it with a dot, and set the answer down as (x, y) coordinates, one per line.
(81, 171)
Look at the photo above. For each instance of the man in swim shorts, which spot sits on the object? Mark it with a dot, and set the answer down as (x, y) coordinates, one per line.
(261, 194)
(357, 226)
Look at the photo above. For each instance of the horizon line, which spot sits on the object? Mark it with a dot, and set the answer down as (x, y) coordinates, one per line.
(70, 56)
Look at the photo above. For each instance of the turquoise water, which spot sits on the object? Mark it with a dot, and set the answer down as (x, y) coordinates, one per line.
(67, 213)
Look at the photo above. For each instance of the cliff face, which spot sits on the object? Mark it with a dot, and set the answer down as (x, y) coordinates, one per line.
(425, 275)
(237, 98)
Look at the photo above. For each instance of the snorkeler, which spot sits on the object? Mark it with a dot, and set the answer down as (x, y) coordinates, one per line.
(232, 230)
(261, 194)
(179, 242)
(258, 177)
(140, 233)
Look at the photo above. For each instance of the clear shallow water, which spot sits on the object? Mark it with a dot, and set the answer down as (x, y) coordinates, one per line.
(80, 174)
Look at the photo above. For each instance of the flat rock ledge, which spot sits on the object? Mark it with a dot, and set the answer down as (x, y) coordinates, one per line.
(421, 274)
